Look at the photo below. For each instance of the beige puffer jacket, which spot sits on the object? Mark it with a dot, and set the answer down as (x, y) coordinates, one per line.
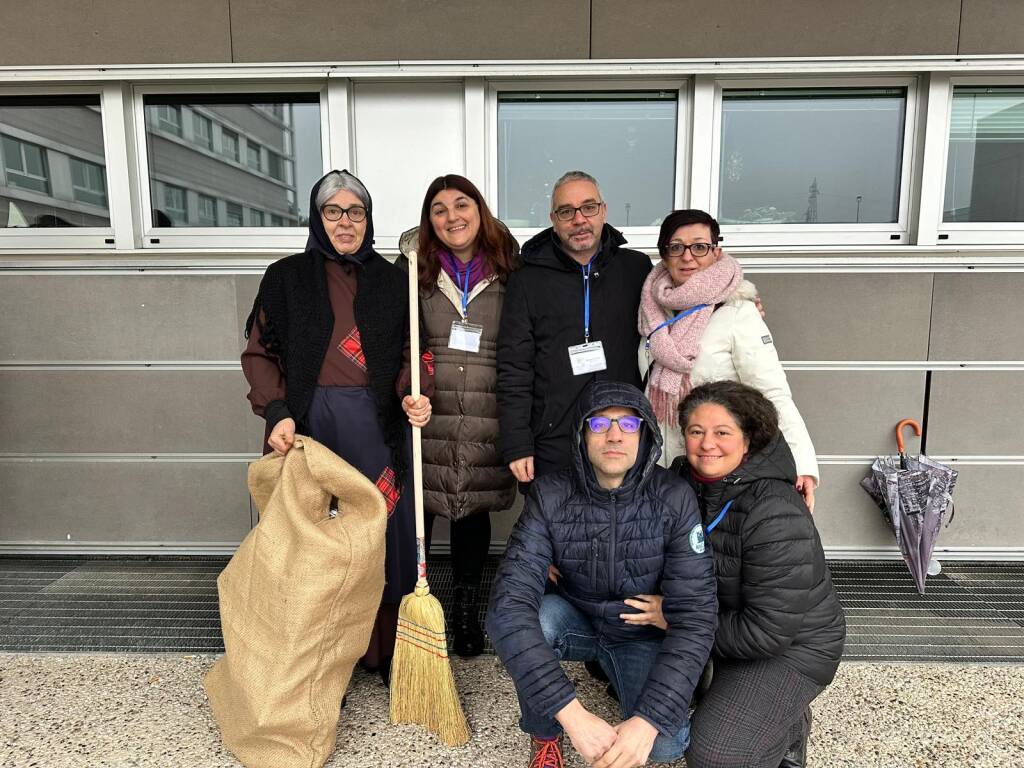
(463, 474)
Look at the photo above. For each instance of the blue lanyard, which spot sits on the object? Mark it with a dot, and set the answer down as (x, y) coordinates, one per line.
(465, 292)
(718, 519)
(586, 302)
(680, 316)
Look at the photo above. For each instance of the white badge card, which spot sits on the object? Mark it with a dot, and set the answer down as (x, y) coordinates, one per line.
(587, 358)
(465, 336)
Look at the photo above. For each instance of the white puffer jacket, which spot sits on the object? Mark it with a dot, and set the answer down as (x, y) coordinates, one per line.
(737, 346)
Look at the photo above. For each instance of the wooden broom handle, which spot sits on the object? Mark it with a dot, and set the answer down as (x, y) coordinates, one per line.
(417, 437)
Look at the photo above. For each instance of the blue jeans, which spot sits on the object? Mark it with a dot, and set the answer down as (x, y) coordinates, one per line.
(627, 664)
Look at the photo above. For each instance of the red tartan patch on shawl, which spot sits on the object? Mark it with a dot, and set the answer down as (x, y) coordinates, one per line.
(388, 486)
(352, 348)
(428, 362)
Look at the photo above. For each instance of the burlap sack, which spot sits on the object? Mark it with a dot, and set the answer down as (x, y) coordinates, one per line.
(297, 604)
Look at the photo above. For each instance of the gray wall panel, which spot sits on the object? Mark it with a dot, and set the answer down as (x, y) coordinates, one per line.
(978, 317)
(855, 412)
(992, 26)
(847, 316)
(976, 413)
(844, 514)
(264, 30)
(246, 287)
(123, 502)
(697, 28)
(127, 412)
(115, 317)
(116, 32)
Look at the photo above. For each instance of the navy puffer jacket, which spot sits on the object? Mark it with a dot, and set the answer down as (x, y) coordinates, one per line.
(645, 537)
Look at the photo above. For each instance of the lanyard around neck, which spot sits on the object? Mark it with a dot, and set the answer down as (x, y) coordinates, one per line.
(586, 301)
(680, 316)
(464, 284)
(718, 519)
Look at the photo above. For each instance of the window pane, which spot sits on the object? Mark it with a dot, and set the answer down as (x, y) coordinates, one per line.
(202, 131)
(175, 206)
(256, 218)
(244, 129)
(52, 171)
(985, 168)
(810, 156)
(207, 211)
(626, 140)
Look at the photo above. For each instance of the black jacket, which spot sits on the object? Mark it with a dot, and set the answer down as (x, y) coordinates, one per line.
(775, 593)
(642, 538)
(542, 317)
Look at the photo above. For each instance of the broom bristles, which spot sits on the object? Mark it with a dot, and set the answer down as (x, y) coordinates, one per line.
(422, 685)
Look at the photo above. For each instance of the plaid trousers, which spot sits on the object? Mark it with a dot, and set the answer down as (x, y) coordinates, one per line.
(750, 715)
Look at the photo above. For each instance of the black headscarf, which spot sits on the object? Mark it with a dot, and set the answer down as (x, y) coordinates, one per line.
(294, 316)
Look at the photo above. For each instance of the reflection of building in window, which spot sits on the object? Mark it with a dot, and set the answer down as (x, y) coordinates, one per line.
(175, 205)
(231, 150)
(52, 165)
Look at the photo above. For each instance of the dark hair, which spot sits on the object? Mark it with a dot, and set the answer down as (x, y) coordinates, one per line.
(494, 241)
(753, 412)
(682, 218)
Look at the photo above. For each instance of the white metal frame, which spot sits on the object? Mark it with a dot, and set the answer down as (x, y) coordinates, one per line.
(707, 161)
(940, 108)
(332, 136)
(638, 237)
(77, 238)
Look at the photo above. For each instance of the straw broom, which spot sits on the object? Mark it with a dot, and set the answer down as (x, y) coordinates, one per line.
(422, 686)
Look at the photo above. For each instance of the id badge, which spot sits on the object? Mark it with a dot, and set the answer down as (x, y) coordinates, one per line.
(465, 336)
(587, 358)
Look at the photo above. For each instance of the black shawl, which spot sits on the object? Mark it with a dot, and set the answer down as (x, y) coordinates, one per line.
(293, 313)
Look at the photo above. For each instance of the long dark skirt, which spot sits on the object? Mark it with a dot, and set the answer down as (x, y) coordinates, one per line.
(345, 420)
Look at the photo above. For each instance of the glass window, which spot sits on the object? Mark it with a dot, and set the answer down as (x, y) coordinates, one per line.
(811, 155)
(202, 131)
(88, 183)
(245, 139)
(275, 165)
(168, 118)
(277, 221)
(253, 156)
(627, 140)
(175, 205)
(234, 215)
(229, 144)
(206, 211)
(255, 218)
(985, 167)
(52, 171)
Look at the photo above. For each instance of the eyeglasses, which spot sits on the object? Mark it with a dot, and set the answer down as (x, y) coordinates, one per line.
(356, 213)
(601, 424)
(697, 250)
(568, 213)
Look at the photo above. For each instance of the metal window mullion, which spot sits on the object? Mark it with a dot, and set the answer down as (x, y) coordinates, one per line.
(933, 172)
(475, 129)
(116, 142)
(336, 126)
(703, 163)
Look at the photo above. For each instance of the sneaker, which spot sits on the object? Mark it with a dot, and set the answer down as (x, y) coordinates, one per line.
(796, 755)
(546, 753)
(469, 636)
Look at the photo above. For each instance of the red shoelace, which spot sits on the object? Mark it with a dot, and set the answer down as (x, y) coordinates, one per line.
(549, 755)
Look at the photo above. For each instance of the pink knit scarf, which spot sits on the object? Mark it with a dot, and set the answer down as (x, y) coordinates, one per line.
(675, 347)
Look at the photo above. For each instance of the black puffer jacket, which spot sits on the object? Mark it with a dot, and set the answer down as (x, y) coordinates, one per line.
(542, 317)
(775, 593)
(641, 538)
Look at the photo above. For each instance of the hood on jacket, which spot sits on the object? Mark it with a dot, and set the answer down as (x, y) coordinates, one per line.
(318, 240)
(773, 462)
(606, 394)
(545, 249)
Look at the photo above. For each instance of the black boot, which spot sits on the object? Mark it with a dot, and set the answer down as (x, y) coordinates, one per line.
(469, 637)
(796, 755)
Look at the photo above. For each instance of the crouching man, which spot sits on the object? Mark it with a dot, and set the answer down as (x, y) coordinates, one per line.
(617, 527)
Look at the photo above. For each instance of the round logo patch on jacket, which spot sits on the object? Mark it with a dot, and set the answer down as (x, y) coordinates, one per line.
(697, 539)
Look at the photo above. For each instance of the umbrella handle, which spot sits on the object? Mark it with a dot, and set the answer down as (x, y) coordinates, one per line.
(899, 433)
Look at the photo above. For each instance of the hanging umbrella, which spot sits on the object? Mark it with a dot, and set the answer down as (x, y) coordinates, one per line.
(913, 493)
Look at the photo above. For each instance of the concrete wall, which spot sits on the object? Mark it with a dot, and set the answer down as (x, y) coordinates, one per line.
(218, 31)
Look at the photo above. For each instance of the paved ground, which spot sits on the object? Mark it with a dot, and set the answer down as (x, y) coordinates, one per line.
(132, 711)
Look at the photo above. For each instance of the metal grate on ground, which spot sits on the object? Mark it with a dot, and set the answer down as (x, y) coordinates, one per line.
(972, 612)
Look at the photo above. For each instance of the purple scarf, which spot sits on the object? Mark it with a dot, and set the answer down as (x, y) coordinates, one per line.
(456, 270)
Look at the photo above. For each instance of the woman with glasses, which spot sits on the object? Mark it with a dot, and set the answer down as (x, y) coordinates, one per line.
(328, 356)
(700, 324)
(465, 258)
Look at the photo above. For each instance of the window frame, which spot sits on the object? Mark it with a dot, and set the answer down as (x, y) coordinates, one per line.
(209, 238)
(641, 238)
(979, 233)
(34, 239)
(707, 164)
